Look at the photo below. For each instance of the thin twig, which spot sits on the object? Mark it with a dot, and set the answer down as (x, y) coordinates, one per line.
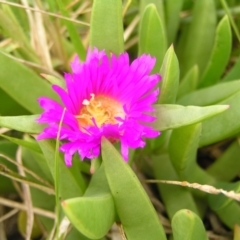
(44, 12)
(203, 188)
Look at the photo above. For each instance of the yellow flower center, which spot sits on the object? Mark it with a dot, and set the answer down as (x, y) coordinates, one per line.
(102, 108)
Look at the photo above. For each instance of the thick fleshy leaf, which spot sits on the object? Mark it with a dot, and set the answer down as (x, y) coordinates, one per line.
(233, 73)
(6, 109)
(236, 232)
(183, 147)
(73, 32)
(227, 166)
(106, 30)
(86, 213)
(170, 116)
(223, 205)
(163, 169)
(75, 234)
(170, 78)
(152, 39)
(210, 95)
(24, 143)
(189, 82)
(72, 183)
(173, 9)
(222, 126)
(196, 43)
(136, 213)
(22, 84)
(26, 124)
(15, 30)
(37, 163)
(159, 6)
(188, 226)
(8, 149)
(54, 80)
(220, 54)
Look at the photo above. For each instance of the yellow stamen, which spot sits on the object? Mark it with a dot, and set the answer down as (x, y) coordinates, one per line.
(102, 108)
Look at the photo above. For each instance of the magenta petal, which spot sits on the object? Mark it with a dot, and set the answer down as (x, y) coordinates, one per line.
(130, 85)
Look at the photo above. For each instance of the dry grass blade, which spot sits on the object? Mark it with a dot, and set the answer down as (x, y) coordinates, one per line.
(63, 228)
(14, 176)
(41, 39)
(203, 188)
(2, 230)
(122, 232)
(4, 130)
(35, 65)
(45, 12)
(30, 20)
(26, 196)
(131, 43)
(8, 215)
(127, 4)
(80, 10)
(20, 206)
(131, 27)
(26, 170)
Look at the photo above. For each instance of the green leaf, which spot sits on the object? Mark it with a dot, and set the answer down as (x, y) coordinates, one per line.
(170, 74)
(24, 143)
(73, 32)
(227, 166)
(220, 54)
(54, 80)
(163, 169)
(188, 226)
(22, 84)
(189, 82)
(223, 205)
(173, 9)
(26, 124)
(75, 234)
(152, 39)
(222, 126)
(171, 116)
(199, 38)
(183, 147)
(211, 95)
(12, 28)
(106, 30)
(86, 213)
(72, 183)
(137, 215)
(8, 149)
(236, 232)
(38, 164)
(6, 109)
(159, 6)
(233, 73)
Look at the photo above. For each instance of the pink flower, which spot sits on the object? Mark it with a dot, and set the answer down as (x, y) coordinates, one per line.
(104, 96)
